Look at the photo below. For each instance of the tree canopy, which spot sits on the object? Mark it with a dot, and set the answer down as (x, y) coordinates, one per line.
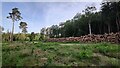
(104, 21)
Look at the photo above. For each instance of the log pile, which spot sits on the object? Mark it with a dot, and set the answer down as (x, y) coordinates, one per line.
(111, 37)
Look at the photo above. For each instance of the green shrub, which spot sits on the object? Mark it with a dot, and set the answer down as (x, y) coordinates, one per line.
(83, 54)
(105, 48)
(10, 58)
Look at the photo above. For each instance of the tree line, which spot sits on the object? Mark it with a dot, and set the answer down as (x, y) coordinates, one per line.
(106, 20)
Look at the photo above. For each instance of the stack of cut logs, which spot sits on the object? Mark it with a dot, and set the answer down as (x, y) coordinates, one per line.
(111, 37)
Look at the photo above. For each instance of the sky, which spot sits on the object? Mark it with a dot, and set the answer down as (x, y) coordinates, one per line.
(42, 14)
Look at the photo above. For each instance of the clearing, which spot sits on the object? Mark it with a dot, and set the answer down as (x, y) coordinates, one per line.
(60, 54)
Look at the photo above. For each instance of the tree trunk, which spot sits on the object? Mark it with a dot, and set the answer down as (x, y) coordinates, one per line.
(89, 28)
(117, 23)
(109, 30)
(104, 29)
(117, 19)
(12, 32)
(99, 30)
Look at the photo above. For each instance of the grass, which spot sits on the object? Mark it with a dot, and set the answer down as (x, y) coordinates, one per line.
(55, 54)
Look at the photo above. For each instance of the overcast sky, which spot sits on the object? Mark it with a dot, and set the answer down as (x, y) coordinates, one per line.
(42, 14)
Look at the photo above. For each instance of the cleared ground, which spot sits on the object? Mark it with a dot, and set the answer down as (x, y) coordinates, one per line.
(60, 54)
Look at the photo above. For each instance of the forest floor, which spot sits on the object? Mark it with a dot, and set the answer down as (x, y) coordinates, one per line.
(60, 54)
